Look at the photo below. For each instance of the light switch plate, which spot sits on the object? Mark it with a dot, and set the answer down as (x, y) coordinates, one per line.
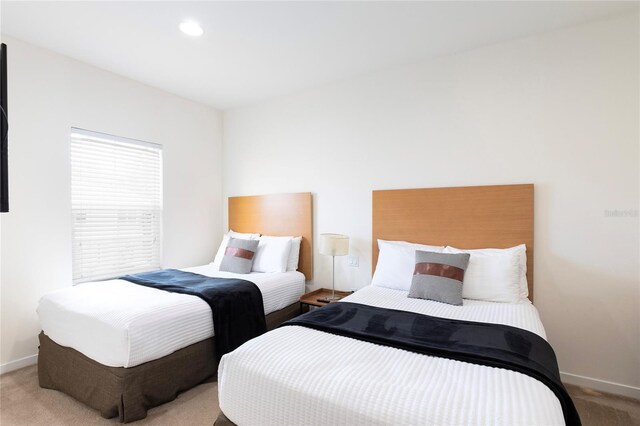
(353, 261)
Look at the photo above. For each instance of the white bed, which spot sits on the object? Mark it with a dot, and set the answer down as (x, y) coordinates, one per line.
(303, 376)
(121, 324)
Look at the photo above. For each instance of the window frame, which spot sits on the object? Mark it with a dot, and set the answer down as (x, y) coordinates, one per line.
(78, 136)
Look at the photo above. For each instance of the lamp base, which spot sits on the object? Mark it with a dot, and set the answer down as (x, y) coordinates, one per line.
(334, 297)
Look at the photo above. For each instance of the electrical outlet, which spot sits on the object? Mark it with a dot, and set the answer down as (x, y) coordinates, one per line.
(353, 261)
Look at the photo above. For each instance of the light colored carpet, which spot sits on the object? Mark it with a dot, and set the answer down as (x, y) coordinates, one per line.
(23, 402)
(603, 409)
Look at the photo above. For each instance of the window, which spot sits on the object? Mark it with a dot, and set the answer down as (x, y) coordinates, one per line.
(116, 196)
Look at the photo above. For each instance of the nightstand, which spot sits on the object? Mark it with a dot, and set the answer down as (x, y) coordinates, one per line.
(311, 299)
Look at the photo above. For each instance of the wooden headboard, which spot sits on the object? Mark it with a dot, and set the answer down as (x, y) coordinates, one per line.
(465, 217)
(278, 215)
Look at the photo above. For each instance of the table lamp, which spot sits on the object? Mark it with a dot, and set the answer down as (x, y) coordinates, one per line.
(334, 245)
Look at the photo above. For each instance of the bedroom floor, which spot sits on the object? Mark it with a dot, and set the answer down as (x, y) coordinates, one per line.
(23, 402)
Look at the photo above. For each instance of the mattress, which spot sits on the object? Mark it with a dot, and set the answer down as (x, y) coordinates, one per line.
(304, 376)
(121, 324)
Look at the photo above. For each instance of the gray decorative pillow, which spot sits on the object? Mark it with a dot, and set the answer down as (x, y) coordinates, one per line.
(238, 256)
(439, 276)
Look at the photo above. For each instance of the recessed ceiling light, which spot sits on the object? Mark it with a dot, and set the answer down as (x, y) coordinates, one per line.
(191, 28)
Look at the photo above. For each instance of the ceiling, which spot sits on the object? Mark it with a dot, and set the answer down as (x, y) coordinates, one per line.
(251, 51)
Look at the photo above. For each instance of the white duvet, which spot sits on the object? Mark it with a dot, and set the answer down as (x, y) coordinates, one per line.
(121, 324)
(299, 376)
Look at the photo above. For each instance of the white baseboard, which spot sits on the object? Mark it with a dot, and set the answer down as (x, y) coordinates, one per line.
(18, 364)
(601, 385)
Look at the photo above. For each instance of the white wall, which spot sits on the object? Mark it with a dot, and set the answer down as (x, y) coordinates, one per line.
(48, 94)
(559, 110)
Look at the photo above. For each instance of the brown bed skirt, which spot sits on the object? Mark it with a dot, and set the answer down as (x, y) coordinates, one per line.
(127, 393)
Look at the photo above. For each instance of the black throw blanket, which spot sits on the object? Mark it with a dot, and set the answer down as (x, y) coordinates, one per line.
(236, 305)
(493, 345)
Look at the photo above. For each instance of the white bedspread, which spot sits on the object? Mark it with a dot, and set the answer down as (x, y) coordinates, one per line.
(299, 376)
(121, 324)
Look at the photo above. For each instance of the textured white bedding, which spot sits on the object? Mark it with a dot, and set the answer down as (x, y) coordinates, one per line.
(121, 324)
(295, 375)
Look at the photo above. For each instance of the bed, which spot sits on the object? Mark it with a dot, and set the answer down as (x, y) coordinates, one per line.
(300, 375)
(123, 348)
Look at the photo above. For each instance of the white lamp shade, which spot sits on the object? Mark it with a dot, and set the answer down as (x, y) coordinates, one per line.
(334, 244)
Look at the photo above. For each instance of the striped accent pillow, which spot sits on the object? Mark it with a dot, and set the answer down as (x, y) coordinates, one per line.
(439, 276)
(238, 256)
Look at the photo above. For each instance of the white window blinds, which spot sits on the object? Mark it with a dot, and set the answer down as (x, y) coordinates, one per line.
(116, 195)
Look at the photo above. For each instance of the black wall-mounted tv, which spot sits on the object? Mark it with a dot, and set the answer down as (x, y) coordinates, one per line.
(4, 132)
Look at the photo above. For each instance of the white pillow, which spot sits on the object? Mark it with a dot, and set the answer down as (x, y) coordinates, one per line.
(272, 254)
(294, 254)
(521, 252)
(494, 275)
(225, 242)
(235, 234)
(416, 246)
(396, 263)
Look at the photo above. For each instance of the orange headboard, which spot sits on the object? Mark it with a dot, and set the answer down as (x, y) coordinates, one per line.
(279, 215)
(468, 217)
